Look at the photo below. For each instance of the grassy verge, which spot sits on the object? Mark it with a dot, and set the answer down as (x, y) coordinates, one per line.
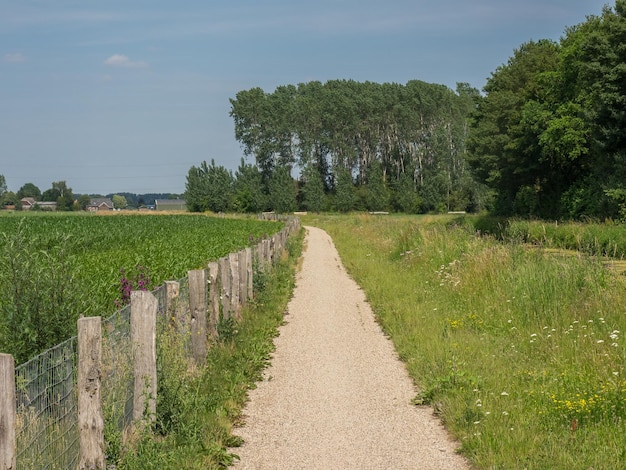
(197, 409)
(520, 352)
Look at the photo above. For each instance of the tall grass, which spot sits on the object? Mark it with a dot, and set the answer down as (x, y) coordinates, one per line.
(520, 352)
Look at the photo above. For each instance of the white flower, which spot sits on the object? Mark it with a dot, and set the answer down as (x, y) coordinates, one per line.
(504, 394)
(600, 341)
(505, 413)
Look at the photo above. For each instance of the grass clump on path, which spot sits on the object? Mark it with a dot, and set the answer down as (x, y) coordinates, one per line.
(520, 352)
(202, 406)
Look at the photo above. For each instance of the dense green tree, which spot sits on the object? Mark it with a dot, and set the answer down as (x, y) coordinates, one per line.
(3, 185)
(282, 191)
(345, 197)
(504, 149)
(209, 187)
(249, 191)
(61, 194)
(83, 201)
(9, 198)
(29, 190)
(377, 193)
(119, 202)
(313, 189)
(416, 129)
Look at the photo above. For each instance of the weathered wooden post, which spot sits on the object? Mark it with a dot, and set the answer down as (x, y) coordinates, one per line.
(214, 298)
(7, 412)
(235, 305)
(172, 291)
(90, 421)
(198, 311)
(250, 278)
(225, 287)
(243, 277)
(143, 310)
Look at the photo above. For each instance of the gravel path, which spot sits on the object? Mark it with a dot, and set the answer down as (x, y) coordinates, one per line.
(336, 396)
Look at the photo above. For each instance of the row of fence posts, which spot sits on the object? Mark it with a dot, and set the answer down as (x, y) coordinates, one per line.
(216, 293)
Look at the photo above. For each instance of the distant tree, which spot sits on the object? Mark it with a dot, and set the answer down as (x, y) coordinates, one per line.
(377, 192)
(249, 194)
(345, 198)
(119, 202)
(404, 197)
(209, 188)
(313, 189)
(282, 191)
(83, 201)
(3, 185)
(29, 190)
(9, 198)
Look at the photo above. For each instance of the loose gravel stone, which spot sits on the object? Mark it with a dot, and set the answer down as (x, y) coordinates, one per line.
(336, 396)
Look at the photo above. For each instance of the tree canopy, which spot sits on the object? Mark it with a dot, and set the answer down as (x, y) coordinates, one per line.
(379, 134)
(549, 136)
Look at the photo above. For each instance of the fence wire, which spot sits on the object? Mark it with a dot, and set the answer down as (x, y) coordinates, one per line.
(117, 374)
(47, 432)
(47, 411)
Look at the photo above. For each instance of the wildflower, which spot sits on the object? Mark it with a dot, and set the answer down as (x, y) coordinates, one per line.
(616, 373)
(533, 335)
(504, 394)
(600, 341)
(505, 413)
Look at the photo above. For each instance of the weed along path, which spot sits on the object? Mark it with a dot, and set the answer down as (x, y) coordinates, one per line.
(336, 396)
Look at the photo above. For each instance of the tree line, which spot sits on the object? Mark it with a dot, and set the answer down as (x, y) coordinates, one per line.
(545, 138)
(549, 135)
(357, 146)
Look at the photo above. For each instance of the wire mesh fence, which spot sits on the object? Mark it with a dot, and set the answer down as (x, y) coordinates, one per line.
(47, 413)
(47, 434)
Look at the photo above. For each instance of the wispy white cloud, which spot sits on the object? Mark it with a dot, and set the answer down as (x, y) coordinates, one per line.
(14, 57)
(119, 60)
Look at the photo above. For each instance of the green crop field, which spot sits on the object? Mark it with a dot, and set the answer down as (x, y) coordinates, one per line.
(56, 267)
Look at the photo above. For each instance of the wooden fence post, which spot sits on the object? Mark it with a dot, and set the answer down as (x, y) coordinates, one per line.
(143, 309)
(243, 277)
(214, 298)
(7, 412)
(225, 287)
(172, 291)
(249, 260)
(198, 311)
(90, 421)
(235, 305)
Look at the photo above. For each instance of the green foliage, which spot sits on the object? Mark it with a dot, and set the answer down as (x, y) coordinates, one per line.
(29, 190)
(548, 136)
(345, 198)
(313, 189)
(415, 131)
(209, 188)
(282, 191)
(119, 202)
(249, 191)
(42, 295)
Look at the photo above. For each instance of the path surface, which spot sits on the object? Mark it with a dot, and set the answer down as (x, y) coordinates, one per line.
(336, 396)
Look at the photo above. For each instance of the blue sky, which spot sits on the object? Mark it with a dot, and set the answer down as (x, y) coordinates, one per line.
(124, 95)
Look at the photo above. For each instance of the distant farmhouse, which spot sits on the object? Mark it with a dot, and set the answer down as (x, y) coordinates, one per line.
(100, 204)
(29, 203)
(170, 205)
